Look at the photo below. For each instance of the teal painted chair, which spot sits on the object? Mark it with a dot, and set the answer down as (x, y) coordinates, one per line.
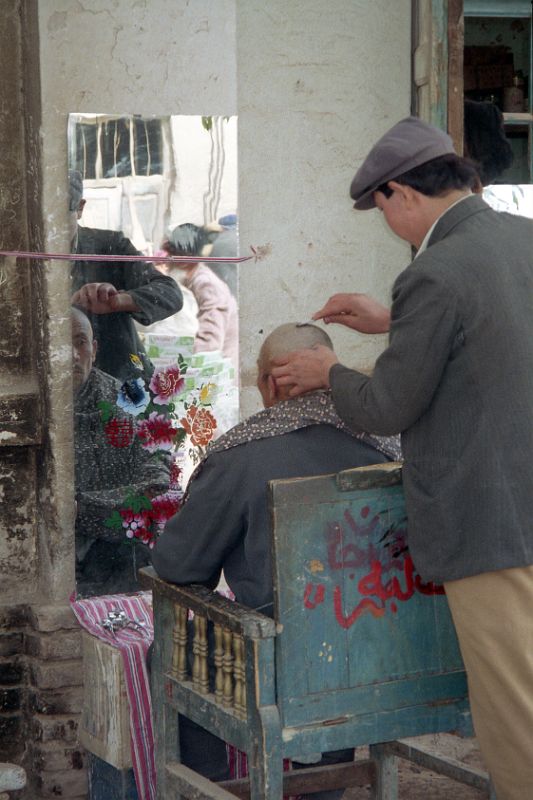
(361, 651)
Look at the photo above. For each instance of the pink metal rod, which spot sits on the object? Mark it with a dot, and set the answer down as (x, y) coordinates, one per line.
(156, 259)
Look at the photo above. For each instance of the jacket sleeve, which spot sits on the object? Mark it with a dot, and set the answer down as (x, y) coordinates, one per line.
(197, 540)
(158, 296)
(424, 326)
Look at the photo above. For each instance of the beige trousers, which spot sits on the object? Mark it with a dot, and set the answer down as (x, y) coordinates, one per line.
(493, 617)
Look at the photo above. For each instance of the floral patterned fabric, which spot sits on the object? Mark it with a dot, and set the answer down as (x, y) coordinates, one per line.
(315, 408)
(112, 461)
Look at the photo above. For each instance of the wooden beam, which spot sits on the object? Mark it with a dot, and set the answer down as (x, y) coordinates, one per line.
(442, 765)
(314, 779)
(455, 73)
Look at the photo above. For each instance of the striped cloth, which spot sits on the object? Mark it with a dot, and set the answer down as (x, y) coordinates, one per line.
(133, 644)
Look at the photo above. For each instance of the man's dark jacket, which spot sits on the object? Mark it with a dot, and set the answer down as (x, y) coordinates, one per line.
(225, 522)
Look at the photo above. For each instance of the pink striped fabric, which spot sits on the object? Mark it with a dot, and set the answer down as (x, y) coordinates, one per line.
(133, 644)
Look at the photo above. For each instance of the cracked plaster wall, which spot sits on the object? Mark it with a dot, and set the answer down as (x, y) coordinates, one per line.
(313, 85)
(318, 83)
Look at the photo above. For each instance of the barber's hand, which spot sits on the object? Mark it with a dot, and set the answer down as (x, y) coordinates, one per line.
(357, 311)
(103, 298)
(304, 370)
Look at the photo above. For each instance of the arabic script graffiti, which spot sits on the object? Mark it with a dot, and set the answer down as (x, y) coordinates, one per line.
(377, 543)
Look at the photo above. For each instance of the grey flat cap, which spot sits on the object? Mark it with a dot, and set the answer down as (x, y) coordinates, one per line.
(408, 144)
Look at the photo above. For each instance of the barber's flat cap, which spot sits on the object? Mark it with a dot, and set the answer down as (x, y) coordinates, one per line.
(408, 144)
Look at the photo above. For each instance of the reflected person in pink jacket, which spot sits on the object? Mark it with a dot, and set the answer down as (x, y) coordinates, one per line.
(217, 308)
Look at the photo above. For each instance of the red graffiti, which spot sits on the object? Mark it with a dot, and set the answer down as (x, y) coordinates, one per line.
(320, 593)
(351, 546)
(375, 592)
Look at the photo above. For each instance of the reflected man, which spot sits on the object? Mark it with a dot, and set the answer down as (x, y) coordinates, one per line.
(110, 462)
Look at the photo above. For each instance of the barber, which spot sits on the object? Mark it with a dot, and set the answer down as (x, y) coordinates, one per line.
(457, 381)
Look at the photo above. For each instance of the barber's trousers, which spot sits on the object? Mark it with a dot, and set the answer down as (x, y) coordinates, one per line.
(493, 617)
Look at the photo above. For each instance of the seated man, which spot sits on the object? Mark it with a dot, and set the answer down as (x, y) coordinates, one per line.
(106, 560)
(225, 524)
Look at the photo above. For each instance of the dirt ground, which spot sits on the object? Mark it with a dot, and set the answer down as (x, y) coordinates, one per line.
(416, 783)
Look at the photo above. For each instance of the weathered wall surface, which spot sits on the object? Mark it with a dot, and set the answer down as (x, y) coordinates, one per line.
(20, 431)
(317, 85)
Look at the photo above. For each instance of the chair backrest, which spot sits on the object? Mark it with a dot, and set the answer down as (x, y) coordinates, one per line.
(360, 630)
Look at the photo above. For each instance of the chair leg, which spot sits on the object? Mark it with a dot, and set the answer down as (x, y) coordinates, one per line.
(386, 786)
(265, 762)
(165, 718)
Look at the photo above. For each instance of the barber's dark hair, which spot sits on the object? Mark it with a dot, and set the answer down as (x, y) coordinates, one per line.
(438, 176)
(189, 239)
(485, 142)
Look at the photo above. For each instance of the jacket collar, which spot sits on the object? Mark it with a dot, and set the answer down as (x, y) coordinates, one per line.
(455, 215)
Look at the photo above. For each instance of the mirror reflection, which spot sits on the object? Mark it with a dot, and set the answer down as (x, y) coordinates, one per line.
(155, 343)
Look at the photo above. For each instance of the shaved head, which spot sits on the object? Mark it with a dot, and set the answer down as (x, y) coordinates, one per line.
(279, 343)
(290, 337)
(83, 348)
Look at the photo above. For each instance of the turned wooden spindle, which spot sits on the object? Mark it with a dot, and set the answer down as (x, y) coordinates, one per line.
(239, 675)
(218, 655)
(179, 639)
(227, 668)
(200, 674)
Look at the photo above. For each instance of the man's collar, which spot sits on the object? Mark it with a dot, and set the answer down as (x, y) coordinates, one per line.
(427, 237)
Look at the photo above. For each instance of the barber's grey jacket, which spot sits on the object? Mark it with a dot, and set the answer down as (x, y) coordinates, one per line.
(457, 381)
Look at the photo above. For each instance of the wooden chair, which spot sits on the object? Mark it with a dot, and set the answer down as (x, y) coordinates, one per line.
(361, 651)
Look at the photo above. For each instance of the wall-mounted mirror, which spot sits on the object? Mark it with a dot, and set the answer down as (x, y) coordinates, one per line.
(154, 343)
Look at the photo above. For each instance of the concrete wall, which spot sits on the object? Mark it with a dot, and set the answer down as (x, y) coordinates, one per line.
(317, 84)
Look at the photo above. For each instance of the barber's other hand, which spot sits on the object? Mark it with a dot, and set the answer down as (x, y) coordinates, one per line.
(304, 370)
(102, 298)
(357, 311)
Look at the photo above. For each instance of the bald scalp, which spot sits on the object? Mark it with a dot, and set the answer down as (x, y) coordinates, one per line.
(82, 320)
(288, 337)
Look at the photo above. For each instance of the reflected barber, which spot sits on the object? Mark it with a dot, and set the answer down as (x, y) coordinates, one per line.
(114, 294)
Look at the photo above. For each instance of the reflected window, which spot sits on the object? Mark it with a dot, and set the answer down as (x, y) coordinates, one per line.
(116, 147)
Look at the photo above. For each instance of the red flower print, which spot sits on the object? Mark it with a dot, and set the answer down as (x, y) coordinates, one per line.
(137, 524)
(119, 432)
(199, 424)
(164, 506)
(156, 432)
(165, 384)
(175, 476)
